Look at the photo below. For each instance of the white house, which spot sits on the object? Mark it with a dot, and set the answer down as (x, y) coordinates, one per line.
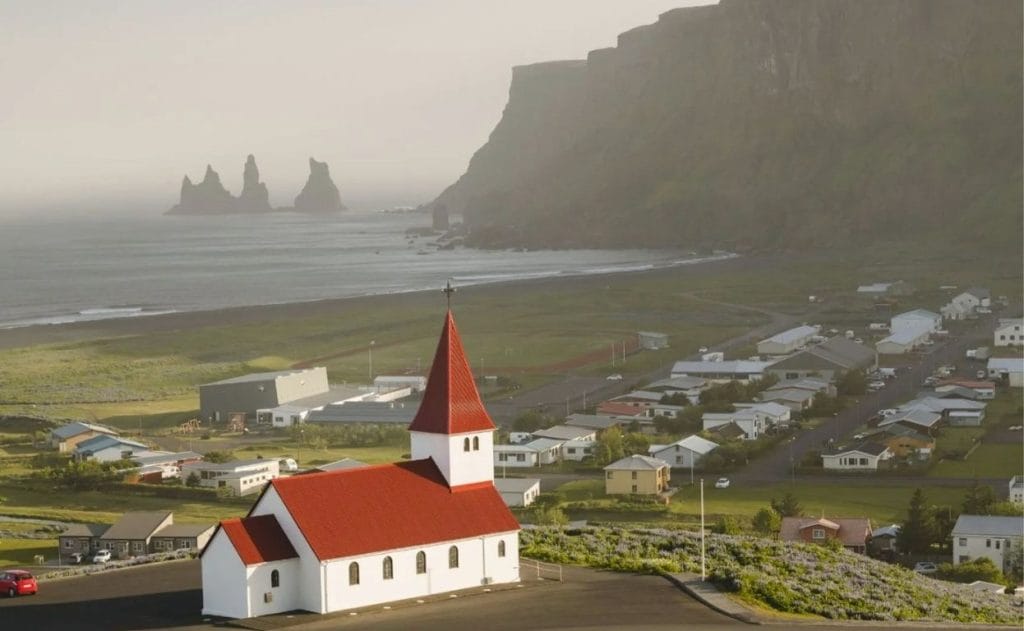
(241, 476)
(1010, 332)
(752, 418)
(535, 453)
(862, 457)
(689, 386)
(684, 453)
(1009, 368)
(104, 448)
(338, 540)
(966, 304)
(1016, 490)
(577, 449)
(737, 370)
(916, 319)
(976, 536)
(787, 341)
(567, 432)
(904, 340)
(518, 491)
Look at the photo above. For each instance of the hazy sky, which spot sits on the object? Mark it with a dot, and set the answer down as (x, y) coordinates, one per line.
(108, 104)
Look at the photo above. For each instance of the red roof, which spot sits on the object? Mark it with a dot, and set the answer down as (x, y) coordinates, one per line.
(451, 403)
(619, 409)
(384, 507)
(258, 539)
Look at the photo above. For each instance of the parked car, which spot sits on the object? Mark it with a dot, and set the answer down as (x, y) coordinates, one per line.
(615, 377)
(888, 412)
(981, 374)
(925, 567)
(76, 557)
(876, 385)
(101, 556)
(702, 349)
(722, 483)
(17, 583)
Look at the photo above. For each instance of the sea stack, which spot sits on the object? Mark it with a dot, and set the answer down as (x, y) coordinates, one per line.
(319, 195)
(209, 197)
(254, 196)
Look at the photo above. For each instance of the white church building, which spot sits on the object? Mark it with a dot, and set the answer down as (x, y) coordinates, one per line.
(350, 538)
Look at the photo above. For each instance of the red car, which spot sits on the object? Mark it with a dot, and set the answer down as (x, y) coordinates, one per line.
(17, 582)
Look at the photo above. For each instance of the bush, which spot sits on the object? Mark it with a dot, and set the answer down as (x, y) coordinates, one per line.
(982, 569)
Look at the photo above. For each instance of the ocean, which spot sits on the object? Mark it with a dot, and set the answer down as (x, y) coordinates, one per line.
(60, 270)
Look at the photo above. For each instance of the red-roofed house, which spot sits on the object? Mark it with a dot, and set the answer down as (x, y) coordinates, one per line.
(354, 537)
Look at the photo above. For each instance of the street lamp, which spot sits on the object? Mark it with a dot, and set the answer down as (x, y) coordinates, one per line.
(370, 357)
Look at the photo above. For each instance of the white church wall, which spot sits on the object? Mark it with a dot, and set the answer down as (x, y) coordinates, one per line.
(284, 597)
(478, 559)
(309, 596)
(458, 465)
(224, 579)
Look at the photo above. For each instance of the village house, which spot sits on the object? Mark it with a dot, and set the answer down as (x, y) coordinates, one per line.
(362, 413)
(1010, 370)
(812, 384)
(753, 418)
(345, 539)
(922, 420)
(741, 370)
(518, 491)
(788, 341)
(967, 304)
(636, 475)
(903, 441)
(984, 390)
(992, 537)
(1016, 490)
(853, 532)
(135, 534)
(865, 456)
(883, 542)
(955, 412)
(537, 452)
(577, 450)
(1009, 332)
(567, 432)
(685, 453)
(297, 410)
(66, 437)
(796, 399)
(241, 477)
(160, 466)
(690, 387)
(104, 448)
(826, 361)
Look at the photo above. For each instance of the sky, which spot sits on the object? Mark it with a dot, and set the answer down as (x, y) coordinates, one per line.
(106, 105)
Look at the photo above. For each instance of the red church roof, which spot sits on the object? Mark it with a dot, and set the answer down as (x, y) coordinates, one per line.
(258, 539)
(384, 507)
(451, 403)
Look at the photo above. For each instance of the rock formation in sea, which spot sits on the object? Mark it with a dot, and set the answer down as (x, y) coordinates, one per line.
(319, 195)
(254, 196)
(209, 197)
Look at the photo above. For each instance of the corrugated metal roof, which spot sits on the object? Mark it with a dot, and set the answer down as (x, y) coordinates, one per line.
(792, 335)
(565, 432)
(637, 463)
(258, 539)
(136, 525)
(264, 376)
(984, 525)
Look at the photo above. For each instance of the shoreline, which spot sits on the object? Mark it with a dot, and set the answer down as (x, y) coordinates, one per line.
(188, 320)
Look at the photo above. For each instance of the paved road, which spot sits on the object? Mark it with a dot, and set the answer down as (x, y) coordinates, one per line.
(168, 596)
(776, 466)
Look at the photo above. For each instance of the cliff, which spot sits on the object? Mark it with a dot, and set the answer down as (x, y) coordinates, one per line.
(765, 123)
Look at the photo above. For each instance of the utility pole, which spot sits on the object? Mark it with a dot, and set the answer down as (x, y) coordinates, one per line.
(370, 358)
(703, 572)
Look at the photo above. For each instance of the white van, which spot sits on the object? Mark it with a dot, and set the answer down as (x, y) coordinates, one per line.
(288, 464)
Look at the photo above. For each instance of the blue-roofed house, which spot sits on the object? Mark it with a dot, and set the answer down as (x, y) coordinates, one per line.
(110, 448)
(65, 437)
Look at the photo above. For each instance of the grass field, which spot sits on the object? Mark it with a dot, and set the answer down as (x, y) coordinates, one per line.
(990, 460)
(312, 457)
(21, 552)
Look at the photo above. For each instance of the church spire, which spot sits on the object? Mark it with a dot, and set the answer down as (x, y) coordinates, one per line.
(451, 403)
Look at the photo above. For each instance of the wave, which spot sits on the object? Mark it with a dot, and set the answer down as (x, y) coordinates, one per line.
(87, 315)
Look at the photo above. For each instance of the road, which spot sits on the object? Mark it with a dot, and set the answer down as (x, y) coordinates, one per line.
(777, 465)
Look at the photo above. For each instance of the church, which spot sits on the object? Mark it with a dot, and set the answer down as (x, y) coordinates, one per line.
(345, 539)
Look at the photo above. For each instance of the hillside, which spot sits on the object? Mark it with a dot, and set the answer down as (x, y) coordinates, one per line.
(787, 577)
(765, 123)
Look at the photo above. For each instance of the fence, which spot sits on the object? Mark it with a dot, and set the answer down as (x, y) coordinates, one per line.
(543, 571)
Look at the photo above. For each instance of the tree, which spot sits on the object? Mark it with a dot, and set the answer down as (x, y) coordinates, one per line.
(788, 506)
(219, 456)
(530, 421)
(609, 446)
(918, 531)
(980, 569)
(979, 499)
(944, 518)
(192, 481)
(550, 515)
(635, 443)
(767, 521)
(852, 382)
(727, 525)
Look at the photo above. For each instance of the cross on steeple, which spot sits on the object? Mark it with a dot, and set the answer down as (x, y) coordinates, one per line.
(448, 291)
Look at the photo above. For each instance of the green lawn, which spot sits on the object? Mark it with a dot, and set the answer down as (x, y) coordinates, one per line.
(21, 552)
(312, 457)
(990, 460)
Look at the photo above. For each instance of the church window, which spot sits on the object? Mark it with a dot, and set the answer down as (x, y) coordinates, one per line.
(465, 444)
(421, 562)
(501, 548)
(275, 579)
(353, 573)
(476, 443)
(389, 568)
(453, 557)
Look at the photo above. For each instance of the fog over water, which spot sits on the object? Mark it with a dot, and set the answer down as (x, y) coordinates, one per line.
(108, 104)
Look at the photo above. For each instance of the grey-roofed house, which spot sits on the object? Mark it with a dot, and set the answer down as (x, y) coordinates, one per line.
(795, 399)
(992, 537)
(787, 341)
(883, 541)
(826, 360)
(518, 491)
(733, 370)
(567, 432)
(240, 477)
(917, 418)
(904, 340)
(684, 453)
(220, 400)
(535, 453)
(865, 456)
(1008, 369)
(295, 411)
(67, 436)
(364, 413)
(81, 538)
(642, 475)
(130, 535)
(182, 537)
(806, 383)
(595, 421)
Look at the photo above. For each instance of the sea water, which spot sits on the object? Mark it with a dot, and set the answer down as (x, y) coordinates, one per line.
(60, 270)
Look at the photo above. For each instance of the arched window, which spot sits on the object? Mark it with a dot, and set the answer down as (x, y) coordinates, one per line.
(453, 557)
(389, 569)
(275, 579)
(421, 562)
(501, 548)
(476, 443)
(465, 444)
(353, 573)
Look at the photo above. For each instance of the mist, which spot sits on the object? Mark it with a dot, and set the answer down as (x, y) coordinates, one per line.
(107, 105)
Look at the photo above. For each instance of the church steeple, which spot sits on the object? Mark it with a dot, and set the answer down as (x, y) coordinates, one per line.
(452, 426)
